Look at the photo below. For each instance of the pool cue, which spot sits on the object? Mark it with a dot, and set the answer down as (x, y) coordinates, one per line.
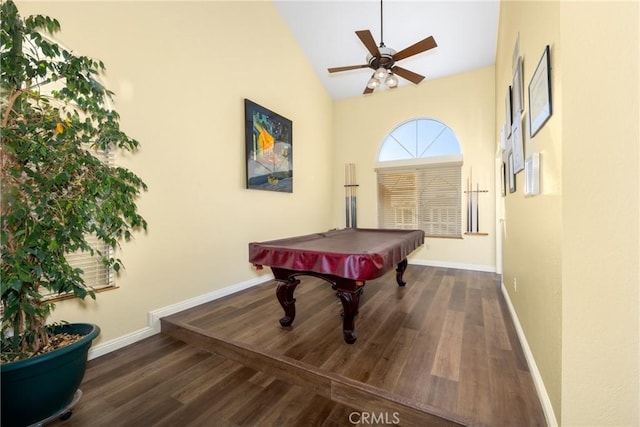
(468, 207)
(354, 198)
(478, 208)
(347, 195)
(350, 200)
(354, 218)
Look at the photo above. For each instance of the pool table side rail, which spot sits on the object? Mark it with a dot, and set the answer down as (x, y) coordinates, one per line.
(357, 254)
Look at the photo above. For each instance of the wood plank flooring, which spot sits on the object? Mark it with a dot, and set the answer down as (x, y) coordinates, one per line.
(443, 345)
(440, 351)
(161, 381)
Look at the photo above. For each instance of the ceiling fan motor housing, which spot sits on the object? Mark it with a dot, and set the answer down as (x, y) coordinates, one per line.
(385, 60)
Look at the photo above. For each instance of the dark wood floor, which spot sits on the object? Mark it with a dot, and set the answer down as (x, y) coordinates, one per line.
(440, 351)
(164, 382)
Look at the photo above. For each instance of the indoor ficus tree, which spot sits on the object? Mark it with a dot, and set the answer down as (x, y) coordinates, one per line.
(55, 193)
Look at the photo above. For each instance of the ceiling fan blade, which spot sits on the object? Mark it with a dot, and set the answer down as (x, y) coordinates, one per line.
(414, 49)
(347, 68)
(409, 75)
(367, 39)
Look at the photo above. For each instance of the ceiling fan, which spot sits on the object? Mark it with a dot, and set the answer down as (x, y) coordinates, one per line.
(383, 59)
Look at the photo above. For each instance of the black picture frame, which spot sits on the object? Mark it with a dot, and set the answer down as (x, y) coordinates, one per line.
(268, 148)
(507, 110)
(540, 105)
(517, 145)
(503, 181)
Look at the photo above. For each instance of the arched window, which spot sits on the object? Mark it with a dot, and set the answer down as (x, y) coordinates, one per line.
(419, 138)
(419, 179)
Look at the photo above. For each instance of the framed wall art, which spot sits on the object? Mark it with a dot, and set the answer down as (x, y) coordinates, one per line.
(507, 110)
(517, 145)
(511, 175)
(540, 94)
(269, 149)
(503, 180)
(517, 91)
(532, 175)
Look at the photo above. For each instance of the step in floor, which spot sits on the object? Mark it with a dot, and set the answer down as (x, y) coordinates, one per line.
(440, 351)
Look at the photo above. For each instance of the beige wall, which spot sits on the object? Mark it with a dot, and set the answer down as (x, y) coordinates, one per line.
(180, 71)
(600, 291)
(532, 240)
(574, 248)
(465, 103)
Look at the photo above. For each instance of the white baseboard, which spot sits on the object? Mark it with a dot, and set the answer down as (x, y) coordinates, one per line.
(475, 267)
(533, 368)
(155, 315)
(118, 343)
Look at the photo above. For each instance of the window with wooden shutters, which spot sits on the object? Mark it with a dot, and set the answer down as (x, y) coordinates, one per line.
(419, 179)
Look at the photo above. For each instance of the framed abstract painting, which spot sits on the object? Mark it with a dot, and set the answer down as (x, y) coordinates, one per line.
(269, 149)
(540, 94)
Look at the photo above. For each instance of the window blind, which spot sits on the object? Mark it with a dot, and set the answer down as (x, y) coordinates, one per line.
(96, 275)
(426, 198)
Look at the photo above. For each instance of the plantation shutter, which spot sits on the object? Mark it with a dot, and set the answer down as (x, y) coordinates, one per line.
(426, 197)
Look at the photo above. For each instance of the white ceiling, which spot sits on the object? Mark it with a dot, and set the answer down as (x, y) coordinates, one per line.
(465, 31)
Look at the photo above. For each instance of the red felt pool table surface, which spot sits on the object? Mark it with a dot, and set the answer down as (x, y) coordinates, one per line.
(352, 253)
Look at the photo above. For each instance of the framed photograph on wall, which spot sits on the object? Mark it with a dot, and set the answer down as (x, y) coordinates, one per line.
(532, 175)
(507, 110)
(511, 175)
(269, 149)
(540, 107)
(517, 145)
(503, 180)
(517, 95)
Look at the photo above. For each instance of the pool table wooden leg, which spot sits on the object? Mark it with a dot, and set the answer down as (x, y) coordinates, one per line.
(350, 302)
(284, 292)
(347, 290)
(402, 266)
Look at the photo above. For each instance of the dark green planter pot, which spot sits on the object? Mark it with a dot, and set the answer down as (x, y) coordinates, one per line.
(36, 389)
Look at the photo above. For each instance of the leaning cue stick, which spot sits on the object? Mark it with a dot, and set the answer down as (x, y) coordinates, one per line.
(347, 178)
(467, 193)
(354, 217)
(471, 200)
(468, 206)
(478, 208)
(350, 200)
(354, 220)
(346, 208)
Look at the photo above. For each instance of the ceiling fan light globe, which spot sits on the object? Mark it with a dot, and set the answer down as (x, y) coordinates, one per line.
(373, 83)
(391, 80)
(381, 74)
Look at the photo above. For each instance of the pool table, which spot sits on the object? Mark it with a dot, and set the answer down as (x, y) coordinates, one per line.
(346, 258)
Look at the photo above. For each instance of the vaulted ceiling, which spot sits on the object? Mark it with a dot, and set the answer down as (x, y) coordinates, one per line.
(465, 31)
